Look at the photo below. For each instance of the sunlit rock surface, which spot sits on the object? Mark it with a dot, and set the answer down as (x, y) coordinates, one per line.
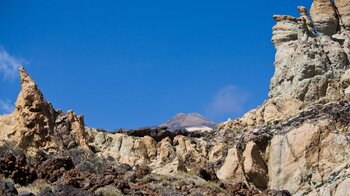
(295, 143)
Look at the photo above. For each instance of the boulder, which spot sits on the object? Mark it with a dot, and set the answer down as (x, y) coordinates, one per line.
(231, 170)
(254, 166)
(171, 169)
(216, 153)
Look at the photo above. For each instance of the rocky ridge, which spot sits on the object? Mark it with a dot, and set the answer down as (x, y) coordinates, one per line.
(297, 142)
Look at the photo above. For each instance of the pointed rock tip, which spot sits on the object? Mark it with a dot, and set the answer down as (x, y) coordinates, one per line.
(25, 78)
(302, 10)
(22, 71)
(29, 91)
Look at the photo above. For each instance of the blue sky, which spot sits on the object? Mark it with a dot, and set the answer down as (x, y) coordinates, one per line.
(137, 63)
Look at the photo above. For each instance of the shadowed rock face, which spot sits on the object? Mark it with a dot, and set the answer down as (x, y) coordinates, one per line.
(297, 140)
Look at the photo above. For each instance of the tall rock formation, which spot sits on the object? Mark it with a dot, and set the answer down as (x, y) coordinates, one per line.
(302, 129)
(35, 125)
(311, 62)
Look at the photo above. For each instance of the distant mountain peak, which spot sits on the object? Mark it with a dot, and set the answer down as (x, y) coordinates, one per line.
(190, 121)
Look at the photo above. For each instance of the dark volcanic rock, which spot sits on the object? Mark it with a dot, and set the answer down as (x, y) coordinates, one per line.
(93, 181)
(208, 174)
(8, 189)
(46, 192)
(17, 169)
(242, 189)
(157, 133)
(26, 194)
(52, 169)
(61, 189)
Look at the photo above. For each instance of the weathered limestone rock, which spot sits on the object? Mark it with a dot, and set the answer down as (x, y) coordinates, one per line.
(171, 169)
(77, 129)
(345, 82)
(285, 30)
(151, 146)
(304, 15)
(167, 157)
(324, 15)
(166, 150)
(254, 166)
(308, 66)
(343, 8)
(343, 188)
(285, 154)
(216, 153)
(35, 125)
(35, 115)
(231, 170)
(308, 157)
(189, 152)
(124, 149)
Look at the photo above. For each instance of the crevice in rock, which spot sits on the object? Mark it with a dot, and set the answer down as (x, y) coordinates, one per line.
(339, 17)
(313, 25)
(279, 164)
(241, 164)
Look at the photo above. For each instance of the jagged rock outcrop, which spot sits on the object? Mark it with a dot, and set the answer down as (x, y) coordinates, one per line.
(311, 60)
(298, 140)
(254, 166)
(35, 125)
(301, 130)
(231, 169)
(176, 154)
(307, 154)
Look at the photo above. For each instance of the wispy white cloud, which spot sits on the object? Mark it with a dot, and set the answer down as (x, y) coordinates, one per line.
(9, 64)
(6, 106)
(228, 100)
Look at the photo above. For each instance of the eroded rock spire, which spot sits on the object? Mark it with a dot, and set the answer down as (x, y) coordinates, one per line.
(31, 104)
(36, 125)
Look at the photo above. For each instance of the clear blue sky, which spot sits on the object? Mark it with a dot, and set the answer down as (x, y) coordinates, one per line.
(125, 63)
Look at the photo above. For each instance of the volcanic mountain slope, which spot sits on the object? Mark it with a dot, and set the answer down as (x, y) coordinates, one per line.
(297, 142)
(192, 121)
